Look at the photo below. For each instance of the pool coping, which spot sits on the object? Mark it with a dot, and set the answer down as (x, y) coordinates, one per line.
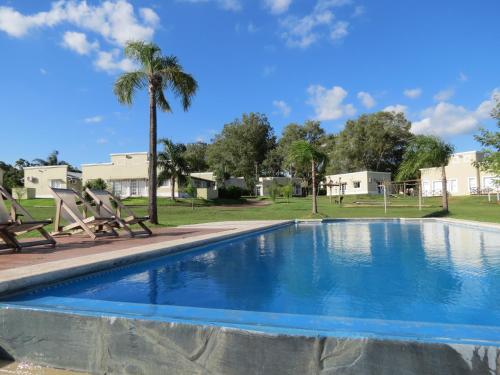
(20, 278)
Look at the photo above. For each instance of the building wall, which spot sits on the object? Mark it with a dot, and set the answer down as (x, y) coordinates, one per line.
(1, 176)
(365, 182)
(41, 178)
(265, 184)
(461, 175)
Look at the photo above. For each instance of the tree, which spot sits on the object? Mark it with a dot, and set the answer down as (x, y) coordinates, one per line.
(191, 190)
(196, 156)
(491, 144)
(287, 191)
(13, 177)
(371, 142)
(303, 153)
(272, 166)
(426, 152)
(172, 164)
(52, 159)
(241, 148)
(158, 74)
(97, 184)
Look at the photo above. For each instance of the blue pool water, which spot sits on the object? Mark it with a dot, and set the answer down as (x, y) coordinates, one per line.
(421, 276)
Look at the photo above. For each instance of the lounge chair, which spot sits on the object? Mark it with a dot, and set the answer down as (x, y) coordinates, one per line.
(124, 216)
(17, 222)
(67, 208)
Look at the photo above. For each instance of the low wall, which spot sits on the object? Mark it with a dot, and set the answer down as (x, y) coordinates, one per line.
(110, 345)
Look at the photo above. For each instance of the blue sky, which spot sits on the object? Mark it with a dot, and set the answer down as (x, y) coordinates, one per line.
(291, 59)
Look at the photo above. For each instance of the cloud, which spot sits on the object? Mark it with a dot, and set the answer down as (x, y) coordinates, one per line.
(328, 103)
(233, 5)
(302, 32)
(78, 42)
(339, 30)
(269, 70)
(251, 28)
(112, 62)
(358, 11)
(277, 6)
(462, 77)
(413, 93)
(398, 108)
(445, 119)
(366, 99)
(282, 107)
(101, 141)
(93, 119)
(444, 95)
(43, 71)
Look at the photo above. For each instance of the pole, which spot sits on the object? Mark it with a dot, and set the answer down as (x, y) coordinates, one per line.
(340, 187)
(420, 195)
(385, 197)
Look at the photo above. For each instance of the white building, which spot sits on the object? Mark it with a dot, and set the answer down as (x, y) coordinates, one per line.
(263, 187)
(365, 182)
(462, 176)
(37, 180)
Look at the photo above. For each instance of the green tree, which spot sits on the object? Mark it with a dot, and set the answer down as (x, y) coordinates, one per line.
(241, 148)
(371, 142)
(305, 153)
(491, 144)
(52, 159)
(172, 164)
(97, 184)
(191, 190)
(272, 166)
(426, 151)
(274, 191)
(196, 156)
(287, 191)
(13, 177)
(157, 74)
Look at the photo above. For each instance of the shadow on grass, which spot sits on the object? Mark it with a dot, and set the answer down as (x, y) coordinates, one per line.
(440, 213)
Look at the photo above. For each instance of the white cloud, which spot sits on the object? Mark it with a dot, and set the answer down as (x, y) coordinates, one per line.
(93, 119)
(278, 6)
(328, 103)
(101, 141)
(251, 28)
(398, 108)
(282, 107)
(114, 20)
(366, 99)
(413, 93)
(304, 31)
(339, 30)
(43, 71)
(462, 77)
(358, 11)
(111, 62)
(444, 95)
(446, 119)
(78, 42)
(233, 5)
(268, 70)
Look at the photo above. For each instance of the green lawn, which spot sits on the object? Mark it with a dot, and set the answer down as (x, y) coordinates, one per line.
(180, 211)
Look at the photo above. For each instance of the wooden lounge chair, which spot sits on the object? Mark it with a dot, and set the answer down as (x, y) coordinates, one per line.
(67, 208)
(124, 216)
(17, 222)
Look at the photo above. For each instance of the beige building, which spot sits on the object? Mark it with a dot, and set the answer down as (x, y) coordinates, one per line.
(462, 177)
(263, 187)
(232, 181)
(127, 176)
(37, 180)
(365, 182)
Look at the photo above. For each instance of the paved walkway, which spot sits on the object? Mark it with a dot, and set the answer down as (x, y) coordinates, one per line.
(76, 246)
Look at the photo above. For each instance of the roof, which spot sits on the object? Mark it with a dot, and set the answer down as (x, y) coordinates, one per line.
(129, 153)
(47, 166)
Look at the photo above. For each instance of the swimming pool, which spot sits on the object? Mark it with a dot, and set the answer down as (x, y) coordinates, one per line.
(419, 280)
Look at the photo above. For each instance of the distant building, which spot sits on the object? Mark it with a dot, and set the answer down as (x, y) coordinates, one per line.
(462, 176)
(37, 180)
(365, 182)
(127, 176)
(1, 176)
(263, 187)
(232, 181)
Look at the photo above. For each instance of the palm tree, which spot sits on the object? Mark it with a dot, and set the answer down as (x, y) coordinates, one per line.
(426, 151)
(157, 73)
(302, 153)
(172, 164)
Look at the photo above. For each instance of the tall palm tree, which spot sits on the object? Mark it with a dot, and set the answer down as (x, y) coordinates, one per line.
(158, 74)
(426, 151)
(303, 153)
(172, 164)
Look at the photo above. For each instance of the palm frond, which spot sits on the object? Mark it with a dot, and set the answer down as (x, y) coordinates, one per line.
(143, 53)
(161, 101)
(127, 84)
(182, 84)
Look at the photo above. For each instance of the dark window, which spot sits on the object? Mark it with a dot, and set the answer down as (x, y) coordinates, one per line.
(357, 184)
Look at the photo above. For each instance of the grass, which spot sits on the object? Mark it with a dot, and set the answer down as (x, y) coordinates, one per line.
(179, 212)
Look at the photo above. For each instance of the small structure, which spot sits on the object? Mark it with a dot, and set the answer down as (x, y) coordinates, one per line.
(463, 177)
(38, 180)
(263, 187)
(229, 182)
(365, 182)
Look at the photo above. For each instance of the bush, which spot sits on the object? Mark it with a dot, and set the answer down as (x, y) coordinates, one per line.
(287, 191)
(274, 191)
(98, 184)
(232, 192)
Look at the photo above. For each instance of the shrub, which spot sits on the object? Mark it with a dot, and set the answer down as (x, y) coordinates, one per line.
(287, 191)
(274, 191)
(232, 192)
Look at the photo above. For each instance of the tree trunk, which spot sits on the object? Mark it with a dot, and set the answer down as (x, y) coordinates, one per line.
(314, 198)
(444, 189)
(172, 188)
(153, 210)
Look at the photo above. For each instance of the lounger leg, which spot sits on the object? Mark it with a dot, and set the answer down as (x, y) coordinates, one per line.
(146, 229)
(10, 241)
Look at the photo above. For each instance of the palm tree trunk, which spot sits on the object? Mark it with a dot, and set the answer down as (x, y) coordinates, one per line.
(153, 212)
(444, 189)
(314, 198)
(172, 189)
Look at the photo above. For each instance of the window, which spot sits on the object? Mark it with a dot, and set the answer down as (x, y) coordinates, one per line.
(452, 186)
(166, 183)
(57, 184)
(473, 185)
(357, 184)
(490, 183)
